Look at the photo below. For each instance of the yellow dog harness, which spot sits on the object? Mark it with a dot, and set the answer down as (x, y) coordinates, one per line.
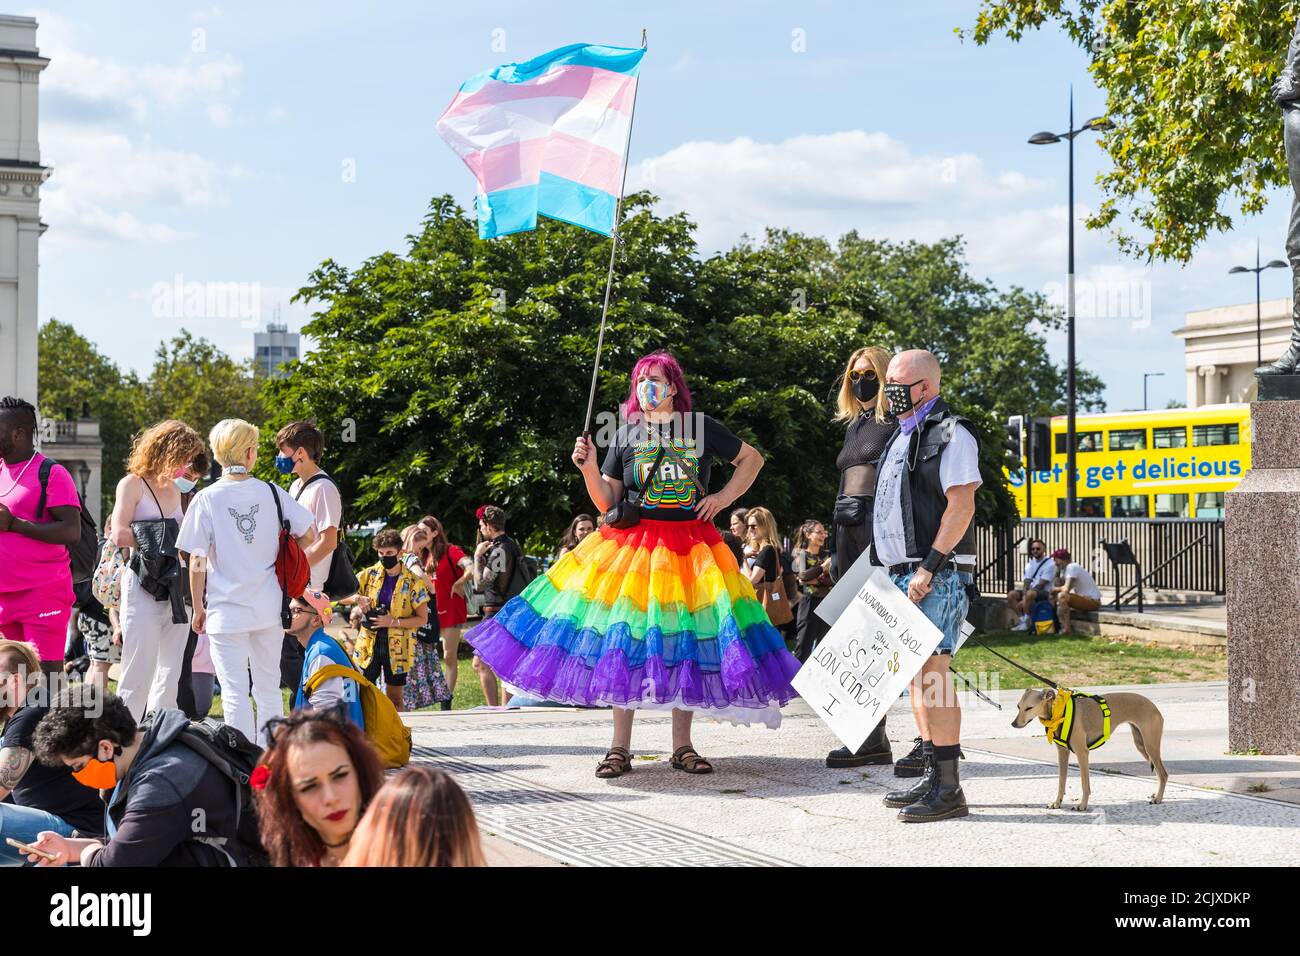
(1062, 719)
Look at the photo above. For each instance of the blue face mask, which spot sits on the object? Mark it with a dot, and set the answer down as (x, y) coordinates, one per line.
(283, 465)
(183, 485)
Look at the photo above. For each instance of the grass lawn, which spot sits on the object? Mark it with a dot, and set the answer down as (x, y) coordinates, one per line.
(1080, 660)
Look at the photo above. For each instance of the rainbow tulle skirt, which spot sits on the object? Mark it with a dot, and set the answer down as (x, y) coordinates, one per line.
(657, 616)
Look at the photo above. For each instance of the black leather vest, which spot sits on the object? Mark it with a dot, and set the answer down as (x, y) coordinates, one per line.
(921, 496)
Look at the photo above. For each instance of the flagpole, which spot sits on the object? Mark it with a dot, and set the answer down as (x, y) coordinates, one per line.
(613, 252)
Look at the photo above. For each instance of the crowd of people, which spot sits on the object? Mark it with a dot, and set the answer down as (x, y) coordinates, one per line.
(647, 604)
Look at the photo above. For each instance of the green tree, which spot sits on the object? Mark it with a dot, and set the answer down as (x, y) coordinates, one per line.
(191, 379)
(1187, 85)
(457, 373)
(195, 381)
(73, 374)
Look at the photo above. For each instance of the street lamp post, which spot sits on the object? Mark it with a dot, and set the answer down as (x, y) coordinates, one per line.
(1043, 139)
(1145, 376)
(1275, 264)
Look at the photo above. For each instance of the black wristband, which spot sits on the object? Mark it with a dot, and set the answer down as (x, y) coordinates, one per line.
(934, 561)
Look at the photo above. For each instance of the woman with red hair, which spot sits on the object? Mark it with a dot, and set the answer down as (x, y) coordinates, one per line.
(651, 610)
(316, 778)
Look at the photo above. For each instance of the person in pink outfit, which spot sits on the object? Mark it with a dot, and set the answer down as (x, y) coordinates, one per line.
(35, 576)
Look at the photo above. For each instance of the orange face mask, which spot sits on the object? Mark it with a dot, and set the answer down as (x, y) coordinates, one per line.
(97, 774)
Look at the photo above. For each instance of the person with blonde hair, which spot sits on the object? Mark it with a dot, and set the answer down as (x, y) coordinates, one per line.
(420, 817)
(766, 573)
(152, 612)
(232, 535)
(869, 428)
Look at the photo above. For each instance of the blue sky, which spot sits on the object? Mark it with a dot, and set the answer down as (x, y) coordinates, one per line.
(245, 143)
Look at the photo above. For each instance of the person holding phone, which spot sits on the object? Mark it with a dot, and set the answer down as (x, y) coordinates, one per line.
(166, 806)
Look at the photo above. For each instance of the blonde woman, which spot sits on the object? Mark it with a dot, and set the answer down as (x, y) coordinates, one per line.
(232, 535)
(158, 472)
(763, 541)
(864, 409)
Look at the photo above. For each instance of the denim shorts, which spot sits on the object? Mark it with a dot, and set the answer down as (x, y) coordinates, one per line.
(945, 606)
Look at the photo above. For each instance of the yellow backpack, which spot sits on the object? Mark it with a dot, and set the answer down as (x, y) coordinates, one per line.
(384, 726)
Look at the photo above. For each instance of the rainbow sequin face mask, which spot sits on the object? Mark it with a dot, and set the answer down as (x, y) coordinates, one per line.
(651, 394)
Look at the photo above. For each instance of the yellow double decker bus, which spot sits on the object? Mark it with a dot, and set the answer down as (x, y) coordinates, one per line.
(1172, 463)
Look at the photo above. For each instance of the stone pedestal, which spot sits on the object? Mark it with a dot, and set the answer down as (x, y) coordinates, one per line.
(1262, 541)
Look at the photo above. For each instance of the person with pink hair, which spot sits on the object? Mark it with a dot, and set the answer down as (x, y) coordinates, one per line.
(651, 610)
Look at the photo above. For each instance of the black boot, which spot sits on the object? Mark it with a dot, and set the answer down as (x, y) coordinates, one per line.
(944, 799)
(910, 795)
(913, 765)
(875, 750)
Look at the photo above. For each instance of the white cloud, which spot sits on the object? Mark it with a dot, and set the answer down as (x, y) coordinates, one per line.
(106, 186)
(869, 181)
(83, 86)
(220, 115)
(110, 182)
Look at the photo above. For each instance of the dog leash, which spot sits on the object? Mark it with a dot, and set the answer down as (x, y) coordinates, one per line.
(1049, 683)
(975, 690)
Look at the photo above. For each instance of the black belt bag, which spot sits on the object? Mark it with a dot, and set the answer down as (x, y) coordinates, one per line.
(852, 510)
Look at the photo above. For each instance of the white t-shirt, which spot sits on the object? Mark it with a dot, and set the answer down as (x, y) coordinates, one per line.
(233, 524)
(323, 500)
(959, 465)
(1040, 569)
(1084, 586)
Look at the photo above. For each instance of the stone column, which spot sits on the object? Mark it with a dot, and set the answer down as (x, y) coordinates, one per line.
(1262, 544)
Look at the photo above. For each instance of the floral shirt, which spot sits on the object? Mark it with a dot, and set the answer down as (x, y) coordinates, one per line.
(408, 595)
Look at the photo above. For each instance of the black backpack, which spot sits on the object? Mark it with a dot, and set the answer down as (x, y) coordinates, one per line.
(525, 571)
(341, 581)
(84, 555)
(235, 756)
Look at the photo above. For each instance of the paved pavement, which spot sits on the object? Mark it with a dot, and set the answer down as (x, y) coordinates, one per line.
(772, 801)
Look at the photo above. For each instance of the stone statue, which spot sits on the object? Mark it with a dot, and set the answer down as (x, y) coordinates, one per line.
(1286, 93)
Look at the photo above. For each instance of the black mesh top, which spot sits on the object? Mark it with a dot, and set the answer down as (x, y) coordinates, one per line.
(864, 441)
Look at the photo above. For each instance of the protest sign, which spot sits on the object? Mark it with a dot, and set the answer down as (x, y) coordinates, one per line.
(846, 588)
(870, 655)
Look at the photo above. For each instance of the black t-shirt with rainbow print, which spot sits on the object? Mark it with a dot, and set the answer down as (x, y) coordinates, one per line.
(669, 495)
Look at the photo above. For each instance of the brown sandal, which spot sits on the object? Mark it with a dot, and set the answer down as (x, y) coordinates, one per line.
(686, 759)
(617, 762)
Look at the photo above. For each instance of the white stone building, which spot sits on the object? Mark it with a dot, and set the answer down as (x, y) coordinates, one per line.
(1219, 349)
(21, 175)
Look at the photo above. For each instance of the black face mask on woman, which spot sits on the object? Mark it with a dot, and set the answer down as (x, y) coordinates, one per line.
(865, 387)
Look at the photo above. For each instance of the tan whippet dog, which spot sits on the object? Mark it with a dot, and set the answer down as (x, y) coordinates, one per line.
(1148, 727)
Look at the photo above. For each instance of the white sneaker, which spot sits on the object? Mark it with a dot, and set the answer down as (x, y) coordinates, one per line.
(1023, 625)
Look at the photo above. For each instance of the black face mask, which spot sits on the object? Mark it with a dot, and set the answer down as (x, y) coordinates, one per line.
(900, 397)
(865, 387)
(389, 561)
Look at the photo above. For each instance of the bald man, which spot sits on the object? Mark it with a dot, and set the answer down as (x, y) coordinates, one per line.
(923, 535)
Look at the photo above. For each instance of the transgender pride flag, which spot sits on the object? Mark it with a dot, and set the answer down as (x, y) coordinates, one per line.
(547, 136)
